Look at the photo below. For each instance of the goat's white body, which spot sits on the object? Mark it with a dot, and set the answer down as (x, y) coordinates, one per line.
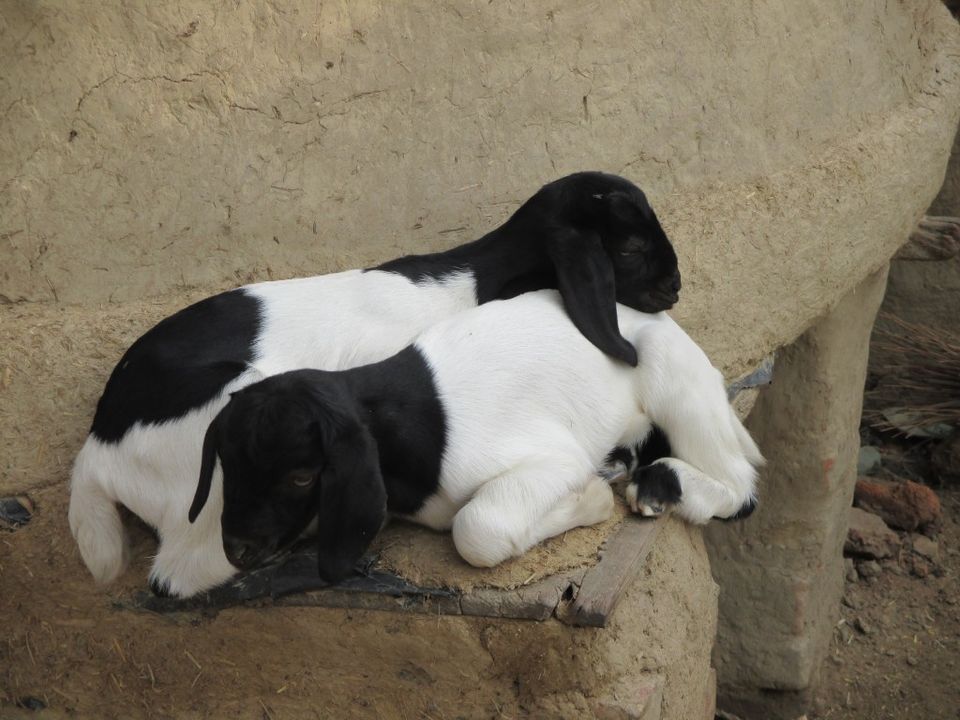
(352, 318)
(533, 409)
(328, 322)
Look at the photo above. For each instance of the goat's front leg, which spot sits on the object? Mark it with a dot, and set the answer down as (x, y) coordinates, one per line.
(190, 560)
(672, 484)
(526, 505)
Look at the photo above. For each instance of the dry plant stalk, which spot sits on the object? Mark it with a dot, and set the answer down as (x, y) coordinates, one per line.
(923, 373)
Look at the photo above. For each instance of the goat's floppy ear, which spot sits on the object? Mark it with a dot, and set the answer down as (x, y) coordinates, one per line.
(587, 284)
(352, 501)
(208, 461)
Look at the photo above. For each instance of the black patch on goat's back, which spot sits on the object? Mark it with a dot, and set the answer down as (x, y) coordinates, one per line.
(181, 363)
(655, 445)
(404, 413)
(504, 263)
(421, 268)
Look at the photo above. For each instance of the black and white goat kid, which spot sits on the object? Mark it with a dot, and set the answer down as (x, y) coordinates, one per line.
(492, 424)
(591, 235)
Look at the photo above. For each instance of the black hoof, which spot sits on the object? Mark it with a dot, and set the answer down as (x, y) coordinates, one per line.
(617, 465)
(159, 589)
(745, 511)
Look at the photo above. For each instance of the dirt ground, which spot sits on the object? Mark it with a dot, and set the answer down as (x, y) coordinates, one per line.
(896, 649)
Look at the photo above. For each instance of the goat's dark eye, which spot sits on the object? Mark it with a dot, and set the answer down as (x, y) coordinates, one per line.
(302, 480)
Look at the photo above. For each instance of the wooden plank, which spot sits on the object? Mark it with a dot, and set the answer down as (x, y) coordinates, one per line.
(604, 583)
(537, 601)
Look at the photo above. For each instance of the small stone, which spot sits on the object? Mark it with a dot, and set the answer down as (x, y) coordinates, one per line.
(28, 702)
(919, 567)
(869, 537)
(893, 568)
(912, 661)
(863, 627)
(906, 505)
(868, 461)
(845, 634)
(850, 570)
(15, 511)
(926, 547)
(850, 601)
(869, 569)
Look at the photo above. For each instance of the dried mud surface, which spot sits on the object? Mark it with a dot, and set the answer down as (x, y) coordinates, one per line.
(907, 663)
(70, 647)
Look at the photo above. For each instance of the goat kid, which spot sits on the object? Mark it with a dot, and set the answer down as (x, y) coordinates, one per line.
(592, 235)
(492, 424)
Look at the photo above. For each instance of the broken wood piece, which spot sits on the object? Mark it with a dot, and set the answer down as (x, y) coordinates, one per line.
(604, 583)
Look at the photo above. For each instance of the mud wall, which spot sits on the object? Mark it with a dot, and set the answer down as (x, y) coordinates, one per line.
(152, 148)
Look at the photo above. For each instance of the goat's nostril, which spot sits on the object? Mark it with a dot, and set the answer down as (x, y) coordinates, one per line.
(239, 552)
(675, 283)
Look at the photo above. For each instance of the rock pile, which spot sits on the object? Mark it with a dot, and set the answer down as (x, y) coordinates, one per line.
(892, 527)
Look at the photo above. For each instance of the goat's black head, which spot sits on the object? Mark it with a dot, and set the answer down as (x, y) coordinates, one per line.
(292, 449)
(607, 246)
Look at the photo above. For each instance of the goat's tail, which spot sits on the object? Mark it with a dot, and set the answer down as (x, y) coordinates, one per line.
(95, 520)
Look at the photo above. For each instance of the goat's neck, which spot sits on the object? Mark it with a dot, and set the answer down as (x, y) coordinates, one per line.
(505, 262)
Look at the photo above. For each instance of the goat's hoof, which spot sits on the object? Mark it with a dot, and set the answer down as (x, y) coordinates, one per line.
(745, 511)
(616, 466)
(613, 472)
(160, 589)
(653, 490)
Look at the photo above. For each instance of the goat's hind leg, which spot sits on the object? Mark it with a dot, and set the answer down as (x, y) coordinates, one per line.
(521, 508)
(97, 526)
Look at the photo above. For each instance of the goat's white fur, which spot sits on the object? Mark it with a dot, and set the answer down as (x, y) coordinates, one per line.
(532, 409)
(328, 322)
